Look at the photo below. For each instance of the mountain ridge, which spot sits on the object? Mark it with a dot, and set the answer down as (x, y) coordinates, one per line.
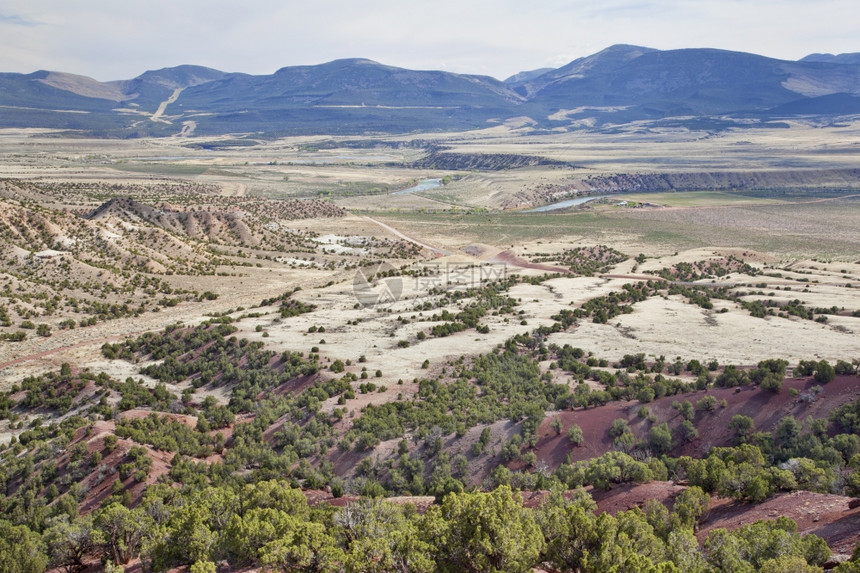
(848, 58)
(619, 84)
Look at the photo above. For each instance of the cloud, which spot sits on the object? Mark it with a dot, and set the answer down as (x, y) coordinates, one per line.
(112, 40)
(17, 20)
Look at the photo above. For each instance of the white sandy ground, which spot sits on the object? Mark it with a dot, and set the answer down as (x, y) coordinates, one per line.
(657, 327)
(674, 328)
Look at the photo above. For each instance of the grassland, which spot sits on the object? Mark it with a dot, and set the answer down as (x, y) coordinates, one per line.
(801, 229)
(698, 199)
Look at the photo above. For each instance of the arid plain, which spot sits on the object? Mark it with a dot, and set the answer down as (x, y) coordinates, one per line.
(807, 241)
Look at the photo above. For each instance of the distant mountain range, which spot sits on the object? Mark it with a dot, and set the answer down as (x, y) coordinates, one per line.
(702, 87)
(833, 59)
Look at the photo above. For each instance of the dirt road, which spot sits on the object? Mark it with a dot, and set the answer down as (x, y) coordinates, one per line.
(163, 106)
(390, 229)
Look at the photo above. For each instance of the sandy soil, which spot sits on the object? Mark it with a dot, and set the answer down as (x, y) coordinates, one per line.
(664, 327)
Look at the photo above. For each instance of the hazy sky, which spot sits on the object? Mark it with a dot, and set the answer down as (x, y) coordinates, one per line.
(120, 39)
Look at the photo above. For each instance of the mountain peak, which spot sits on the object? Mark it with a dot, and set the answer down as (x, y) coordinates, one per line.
(626, 49)
(80, 85)
(181, 76)
(606, 60)
(338, 64)
(848, 58)
(355, 62)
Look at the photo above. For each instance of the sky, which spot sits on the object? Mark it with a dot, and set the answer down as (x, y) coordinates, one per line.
(120, 39)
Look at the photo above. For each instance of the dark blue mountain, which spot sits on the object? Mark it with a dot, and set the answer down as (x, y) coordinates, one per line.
(356, 96)
(852, 58)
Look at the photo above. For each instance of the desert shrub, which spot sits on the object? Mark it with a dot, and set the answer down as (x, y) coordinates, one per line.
(574, 434)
